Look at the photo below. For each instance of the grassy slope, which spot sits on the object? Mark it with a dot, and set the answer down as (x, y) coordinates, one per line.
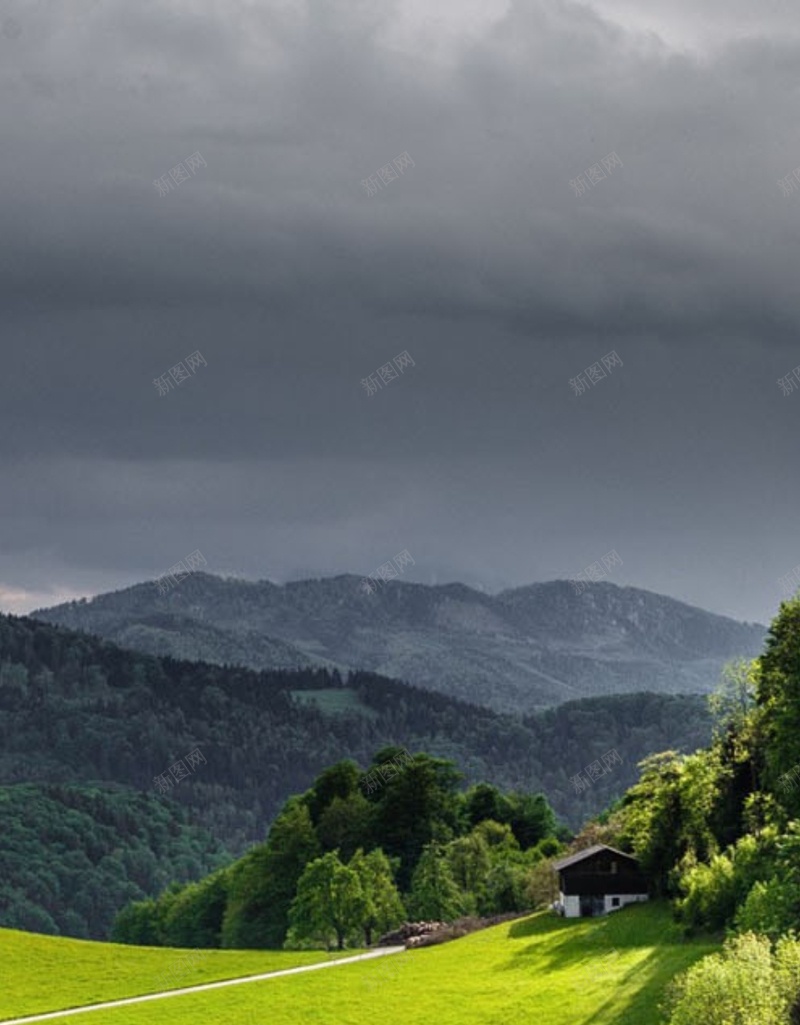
(334, 701)
(47, 973)
(541, 969)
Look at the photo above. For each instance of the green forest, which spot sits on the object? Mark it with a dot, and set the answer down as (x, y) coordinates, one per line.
(357, 854)
(71, 856)
(76, 709)
(78, 714)
(716, 831)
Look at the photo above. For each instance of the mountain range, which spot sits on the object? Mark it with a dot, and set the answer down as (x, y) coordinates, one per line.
(517, 651)
(266, 685)
(77, 710)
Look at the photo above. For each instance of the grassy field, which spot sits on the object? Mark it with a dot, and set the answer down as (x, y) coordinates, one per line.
(540, 969)
(47, 973)
(334, 701)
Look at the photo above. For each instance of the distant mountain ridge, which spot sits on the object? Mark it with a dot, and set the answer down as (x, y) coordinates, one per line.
(80, 711)
(523, 649)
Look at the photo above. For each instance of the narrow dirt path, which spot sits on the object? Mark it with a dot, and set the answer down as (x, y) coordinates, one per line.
(50, 1015)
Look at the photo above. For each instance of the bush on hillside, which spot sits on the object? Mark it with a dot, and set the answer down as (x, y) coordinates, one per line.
(770, 908)
(714, 891)
(746, 983)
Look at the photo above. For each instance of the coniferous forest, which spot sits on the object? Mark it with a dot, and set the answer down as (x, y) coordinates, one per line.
(79, 711)
(72, 855)
(358, 853)
(717, 833)
(191, 805)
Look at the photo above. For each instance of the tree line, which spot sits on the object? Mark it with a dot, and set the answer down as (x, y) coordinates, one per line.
(718, 833)
(348, 860)
(72, 856)
(74, 708)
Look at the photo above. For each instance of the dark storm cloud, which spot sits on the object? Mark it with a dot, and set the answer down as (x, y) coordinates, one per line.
(479, 260)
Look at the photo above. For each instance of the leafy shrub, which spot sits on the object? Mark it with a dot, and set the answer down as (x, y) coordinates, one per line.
(770, 908)
(711, 894)
(714, 891)
(745, 984)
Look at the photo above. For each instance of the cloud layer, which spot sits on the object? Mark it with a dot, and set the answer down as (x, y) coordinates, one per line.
(479, 260)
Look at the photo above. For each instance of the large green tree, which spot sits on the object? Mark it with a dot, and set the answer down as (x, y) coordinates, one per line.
(383, 908)
(264, 881)
(194, 918)
(434, 891)
(531, 818)
(330, 903)
(486, 801)
(346, 824)
(417, 805)
(734, 697)
(778, 699)
(138, 923)
(469, 862)
(652, 817)
(337, 781)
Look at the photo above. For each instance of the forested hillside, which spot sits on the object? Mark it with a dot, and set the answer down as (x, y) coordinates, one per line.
(718, 832)
(71, 856)
(517, 651)
(356, 855)
(76, 709)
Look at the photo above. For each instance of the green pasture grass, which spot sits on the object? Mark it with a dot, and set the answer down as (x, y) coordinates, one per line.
(49, 973)
(539, 970)
(334, 701)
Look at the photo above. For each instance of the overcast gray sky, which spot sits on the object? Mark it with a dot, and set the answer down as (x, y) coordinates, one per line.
(481, 260)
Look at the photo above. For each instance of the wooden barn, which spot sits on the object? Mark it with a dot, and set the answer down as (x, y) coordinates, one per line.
(597, 881)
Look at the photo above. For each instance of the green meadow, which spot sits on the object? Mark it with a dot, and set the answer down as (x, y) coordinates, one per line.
(47, 973)
(335, 701)
(541, 969)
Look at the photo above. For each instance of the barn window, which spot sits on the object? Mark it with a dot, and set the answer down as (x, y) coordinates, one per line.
(613, 867)
(615, 902)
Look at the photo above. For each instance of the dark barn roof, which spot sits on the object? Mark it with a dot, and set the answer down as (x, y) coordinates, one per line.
(590, 852)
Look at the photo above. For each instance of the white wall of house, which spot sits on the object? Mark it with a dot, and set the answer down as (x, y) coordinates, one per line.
(572, 905)
(621, 900)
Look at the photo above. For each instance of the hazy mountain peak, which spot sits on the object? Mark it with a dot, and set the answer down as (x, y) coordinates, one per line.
(522, 648)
